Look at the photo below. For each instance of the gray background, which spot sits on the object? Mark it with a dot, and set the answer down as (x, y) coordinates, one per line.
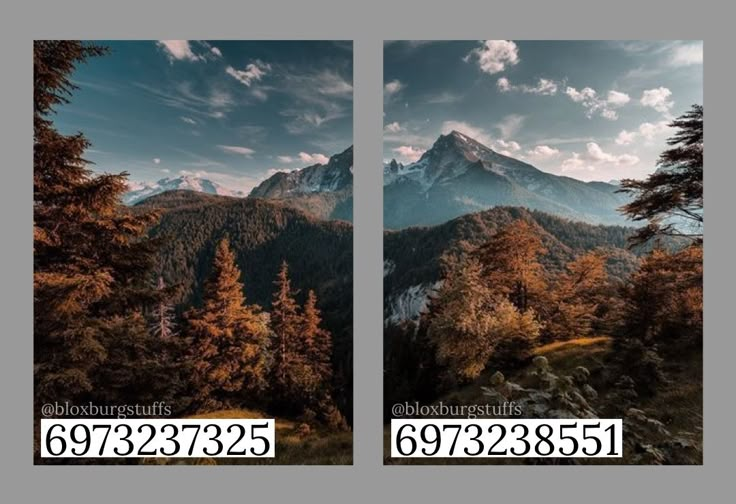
(367, 23)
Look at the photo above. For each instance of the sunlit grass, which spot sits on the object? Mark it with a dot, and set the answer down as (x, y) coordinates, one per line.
(319, 447)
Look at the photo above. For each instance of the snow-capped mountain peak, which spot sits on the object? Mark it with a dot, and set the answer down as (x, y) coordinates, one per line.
(138, 191)
(335, 175)
(459, 175)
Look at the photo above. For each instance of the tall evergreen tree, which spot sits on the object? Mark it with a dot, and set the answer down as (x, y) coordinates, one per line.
(90, 256)
(317, 341)
(294, 380)
(230, 339)
(671, 198)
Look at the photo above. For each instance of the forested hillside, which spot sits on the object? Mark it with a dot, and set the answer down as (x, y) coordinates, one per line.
(262, 234)
(413, 256)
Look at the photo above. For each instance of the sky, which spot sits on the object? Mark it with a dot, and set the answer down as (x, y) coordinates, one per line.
(592, 110)
(230, 111)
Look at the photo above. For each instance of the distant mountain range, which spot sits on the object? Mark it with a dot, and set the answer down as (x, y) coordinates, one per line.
(458, 175)
(138, 191)
(322, 190)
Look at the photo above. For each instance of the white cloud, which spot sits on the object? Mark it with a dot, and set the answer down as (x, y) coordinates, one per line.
(595, 158)
(285, 159)
(165, 170)
(259, 94)
(617, 98)
(503, 84)
(318, 97)
(649, 131)
(332, 84)
(475, 132)
(313, 158)
(658, 99)
(687, 54)
(393, 127)
(609, 114)
(408, 153)
(575, 163)
(646, 130)
(625, 137)
(236, 149)
(188, 120)
(544, 87)
(493, 56)
(216, 51)
(393, 87)
(508, 146)
(444, 97)
(253, 72)
(178, 50)
(542, 153)
(156, 161)
(595, 104)
(510, 125)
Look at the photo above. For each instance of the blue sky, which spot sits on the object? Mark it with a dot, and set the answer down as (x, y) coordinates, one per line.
(592, 110)
(231, 111)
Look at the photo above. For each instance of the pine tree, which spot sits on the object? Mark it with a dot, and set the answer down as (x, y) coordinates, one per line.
(91, 257)
(162, 321)
(230, 339)
(294, 380)
(318, 341)
(139, 367)
(511, 262)
(671, 198)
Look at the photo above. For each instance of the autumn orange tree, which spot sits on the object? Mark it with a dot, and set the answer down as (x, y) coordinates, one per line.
(293, 377)
(469, 321)
(91, 258)
(510, 260)
(230, 339)
(316, 340)
(576, 294)
(665, 298)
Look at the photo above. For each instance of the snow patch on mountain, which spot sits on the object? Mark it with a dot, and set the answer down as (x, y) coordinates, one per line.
(409, 305)
(388, 267)
(335, 175)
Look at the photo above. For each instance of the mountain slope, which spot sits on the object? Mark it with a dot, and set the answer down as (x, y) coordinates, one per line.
(138, 191)
(322, 190)
(412, 257)
(459, 175)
